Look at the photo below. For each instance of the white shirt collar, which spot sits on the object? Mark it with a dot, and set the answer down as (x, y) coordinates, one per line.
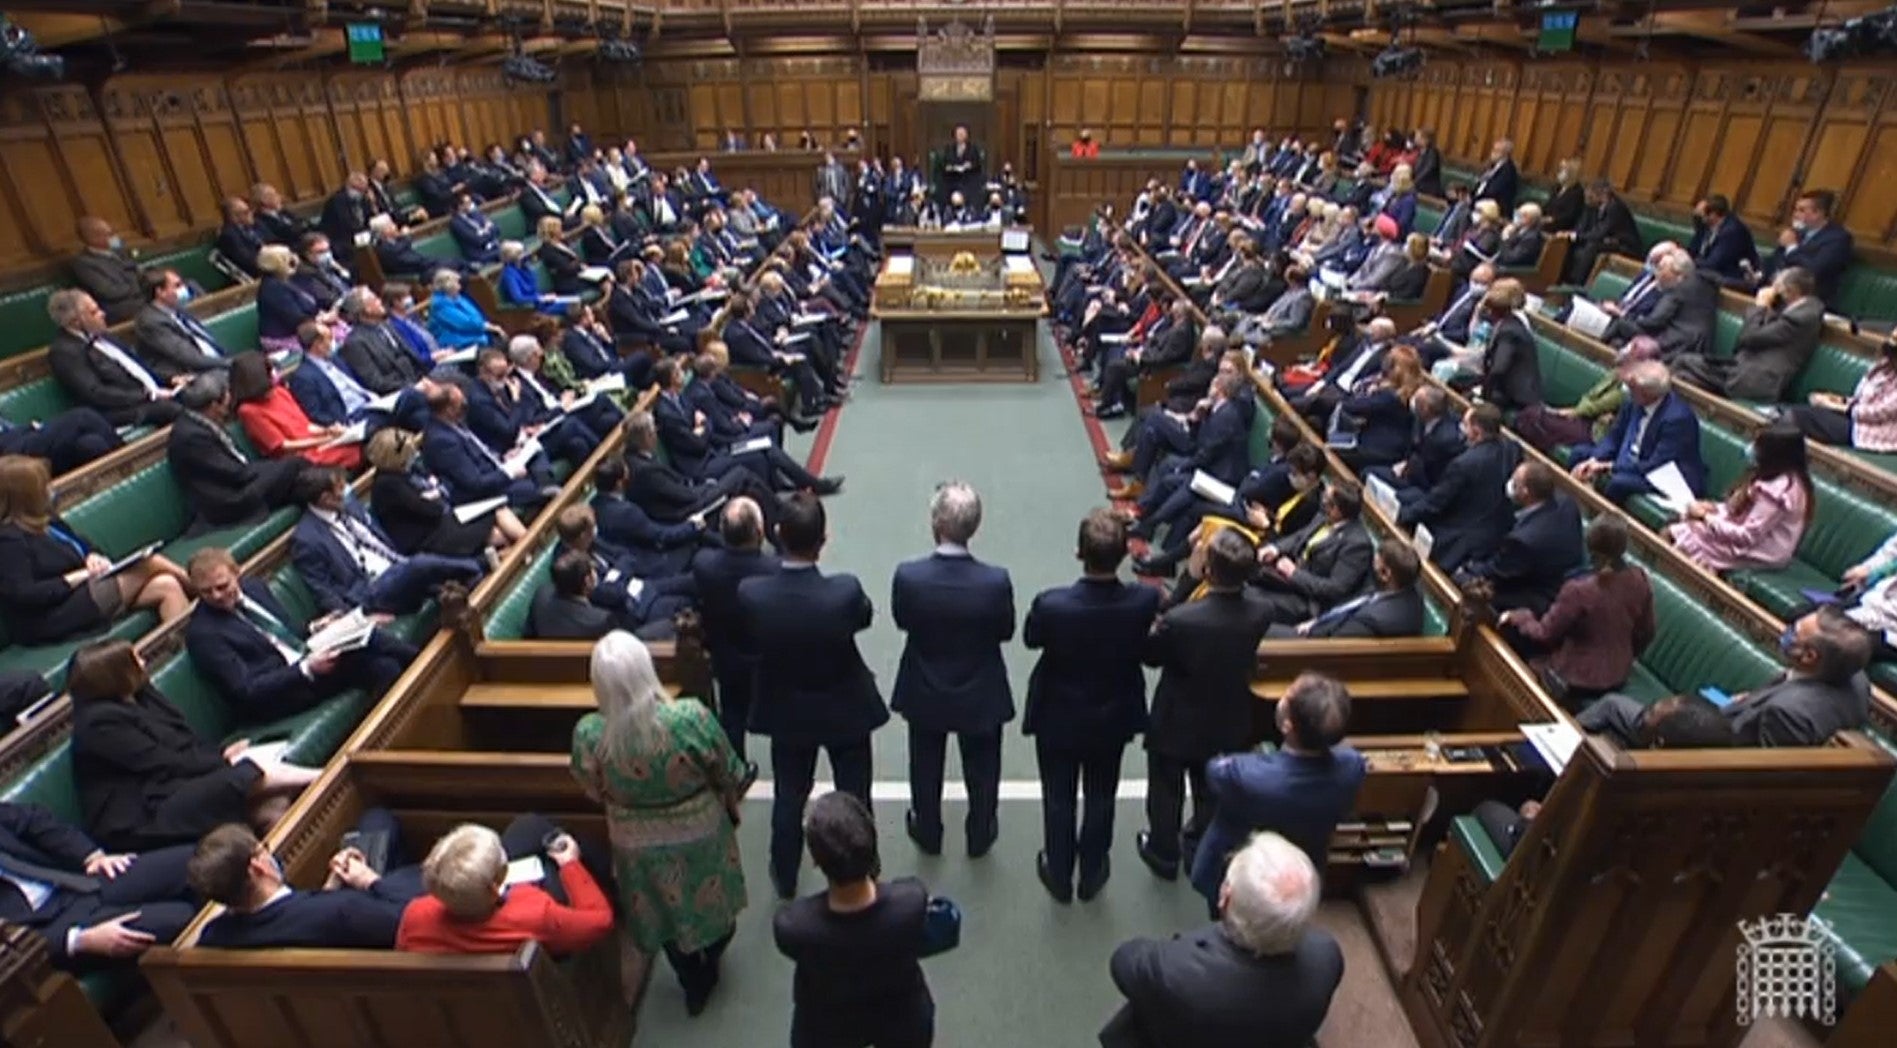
(951, 549)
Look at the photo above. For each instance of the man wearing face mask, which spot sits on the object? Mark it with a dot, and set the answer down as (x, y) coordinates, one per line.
(475, 232)
(1821, 691)
(241, 236)
(1814, 243)
(1467, 509)
(170, 340)
(1542, 548)
(347, 212)
(106, 271)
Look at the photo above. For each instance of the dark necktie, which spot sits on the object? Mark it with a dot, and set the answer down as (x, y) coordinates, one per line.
(74, 882)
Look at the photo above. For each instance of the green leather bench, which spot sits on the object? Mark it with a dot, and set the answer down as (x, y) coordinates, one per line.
(314, 736)
(1845, 530)
(24, 319)
(1467, 834)
(144, 508)
(508, 620)
(192, 263)
(1428, 219)
(511, 224)
(1859, 906)
(1693, 648)
(1868, 293)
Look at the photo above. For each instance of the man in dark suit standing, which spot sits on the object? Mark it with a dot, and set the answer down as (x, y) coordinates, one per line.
(97, 371)
(257, 654)
(1426, 170)
(1261, 976)
(1467, 509)
(957, 612)
(1822, 691)
(347, 211)
(1321, 565)
(92, 908)
(224, 485)
(1814, 243)
(1206, 651)
(813, 691)
(1086, 701)
(1541, 549)
(718, 572)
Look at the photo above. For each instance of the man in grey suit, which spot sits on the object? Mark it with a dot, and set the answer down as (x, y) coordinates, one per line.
(171, 341)
(1822, 691)
(99, 372)
(1287, 315)
(1322, 564)
(1393, 609)
(1682, 321)
(1781, 331)
(373, 351)
(106, 272)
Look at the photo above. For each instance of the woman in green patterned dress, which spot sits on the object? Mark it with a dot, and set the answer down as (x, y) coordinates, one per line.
(670, 784)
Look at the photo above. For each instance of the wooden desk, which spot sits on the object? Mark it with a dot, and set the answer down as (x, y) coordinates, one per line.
(943, 326)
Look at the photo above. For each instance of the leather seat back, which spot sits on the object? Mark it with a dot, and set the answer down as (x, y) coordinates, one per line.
(508, 620)
(1693, 647)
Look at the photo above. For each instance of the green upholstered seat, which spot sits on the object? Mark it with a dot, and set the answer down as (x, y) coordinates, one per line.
(192, 263)
(24, 323)
(35, 400)
(1844, 530)
(1860, 904)
(1565, 374)
(235, 329)
(1726, 327)
(440, 246)
(1608, 285)
(1654, 229)
(1693, 648)
(1867, 293)
(1428, 218)
(1831, 369)
(508, 620)
(1477, 846)
(511, 223)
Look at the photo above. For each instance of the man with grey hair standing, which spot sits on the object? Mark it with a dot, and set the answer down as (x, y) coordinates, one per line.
(957, 613)
(1260, 976)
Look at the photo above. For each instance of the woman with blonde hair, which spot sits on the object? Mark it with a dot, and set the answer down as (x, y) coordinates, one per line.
(671, 784)
(470, 908)
(54, 584)
(1566, 200)
(282, 306)
(562, 262)
(412, 505)
(1375, 426)
(1399, 199)
(1479, 243)
(599, 244)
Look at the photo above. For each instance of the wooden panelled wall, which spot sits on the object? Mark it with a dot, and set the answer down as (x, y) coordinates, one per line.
(154, 154)
(1669, 134)
(1128, 101)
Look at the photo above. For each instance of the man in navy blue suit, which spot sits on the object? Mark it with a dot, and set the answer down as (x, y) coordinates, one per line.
(256, 653)
(1467, 509)
(655, 548)
(1814, 243)
(470, 469)
(688, 440)
(504, 413)
(957, 613)
(1654, 427)
(639, 601)
(812, 689)
(718, 572)
(1086, 701)
(1501, 180)
(348, 562)
(1722, 246)
(474, 231)
(1301, 790)
(356, 908)
(91, 907)
(1542, 548)
(1221, 449)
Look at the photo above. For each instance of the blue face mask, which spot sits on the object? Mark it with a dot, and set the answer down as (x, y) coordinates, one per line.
(117, 243)
(184, 294)
(1788, 642)
(1752, 454)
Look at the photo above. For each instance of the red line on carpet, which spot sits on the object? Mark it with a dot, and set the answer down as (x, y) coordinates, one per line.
(827, 430)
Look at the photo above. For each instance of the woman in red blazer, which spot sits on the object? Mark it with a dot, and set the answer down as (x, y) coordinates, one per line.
(275, 422)
(469, 908)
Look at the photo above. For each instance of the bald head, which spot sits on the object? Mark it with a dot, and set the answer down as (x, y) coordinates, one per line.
(741, 525)
(95, 232)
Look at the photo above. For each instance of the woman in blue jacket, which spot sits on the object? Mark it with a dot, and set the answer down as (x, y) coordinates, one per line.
(453, 318)
(519, 289)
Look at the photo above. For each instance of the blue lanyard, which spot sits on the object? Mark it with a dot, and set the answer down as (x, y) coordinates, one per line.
(59, 532)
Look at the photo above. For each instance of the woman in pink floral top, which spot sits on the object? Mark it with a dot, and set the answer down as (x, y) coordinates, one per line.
(1762, 521)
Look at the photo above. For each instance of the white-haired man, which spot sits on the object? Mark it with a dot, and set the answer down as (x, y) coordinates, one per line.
(1260, 977)
(957, 613)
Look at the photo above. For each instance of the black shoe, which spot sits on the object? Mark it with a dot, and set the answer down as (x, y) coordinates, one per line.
(1062, 893)
(925, 845)
(1164, 869)
(750, 778)
(979, 846)
(1153, 567)
(698, 995)
(1116, 411)
(827, 485)
(802, 424)
(1090, 884)
(786, 889)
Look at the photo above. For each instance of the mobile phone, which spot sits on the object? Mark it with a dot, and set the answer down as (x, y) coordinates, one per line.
(352, 839)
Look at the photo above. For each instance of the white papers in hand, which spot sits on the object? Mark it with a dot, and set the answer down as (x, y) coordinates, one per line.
(384, 403)
(516, 460)
(581, 402)
(462, 356)
(264, 753)
(468, 511)
(754, 444)
(1207, 486)
(1588, 318)
(806, 319)
(1114, 340)
(132, 558)
(1675, 494)
(709, 508)
(1424, 540)
(801, 336)
(611, 383)
(677, 316)
(345, 632)
(596, 274)
(354, 434)
(634, 587)
(526, 870)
